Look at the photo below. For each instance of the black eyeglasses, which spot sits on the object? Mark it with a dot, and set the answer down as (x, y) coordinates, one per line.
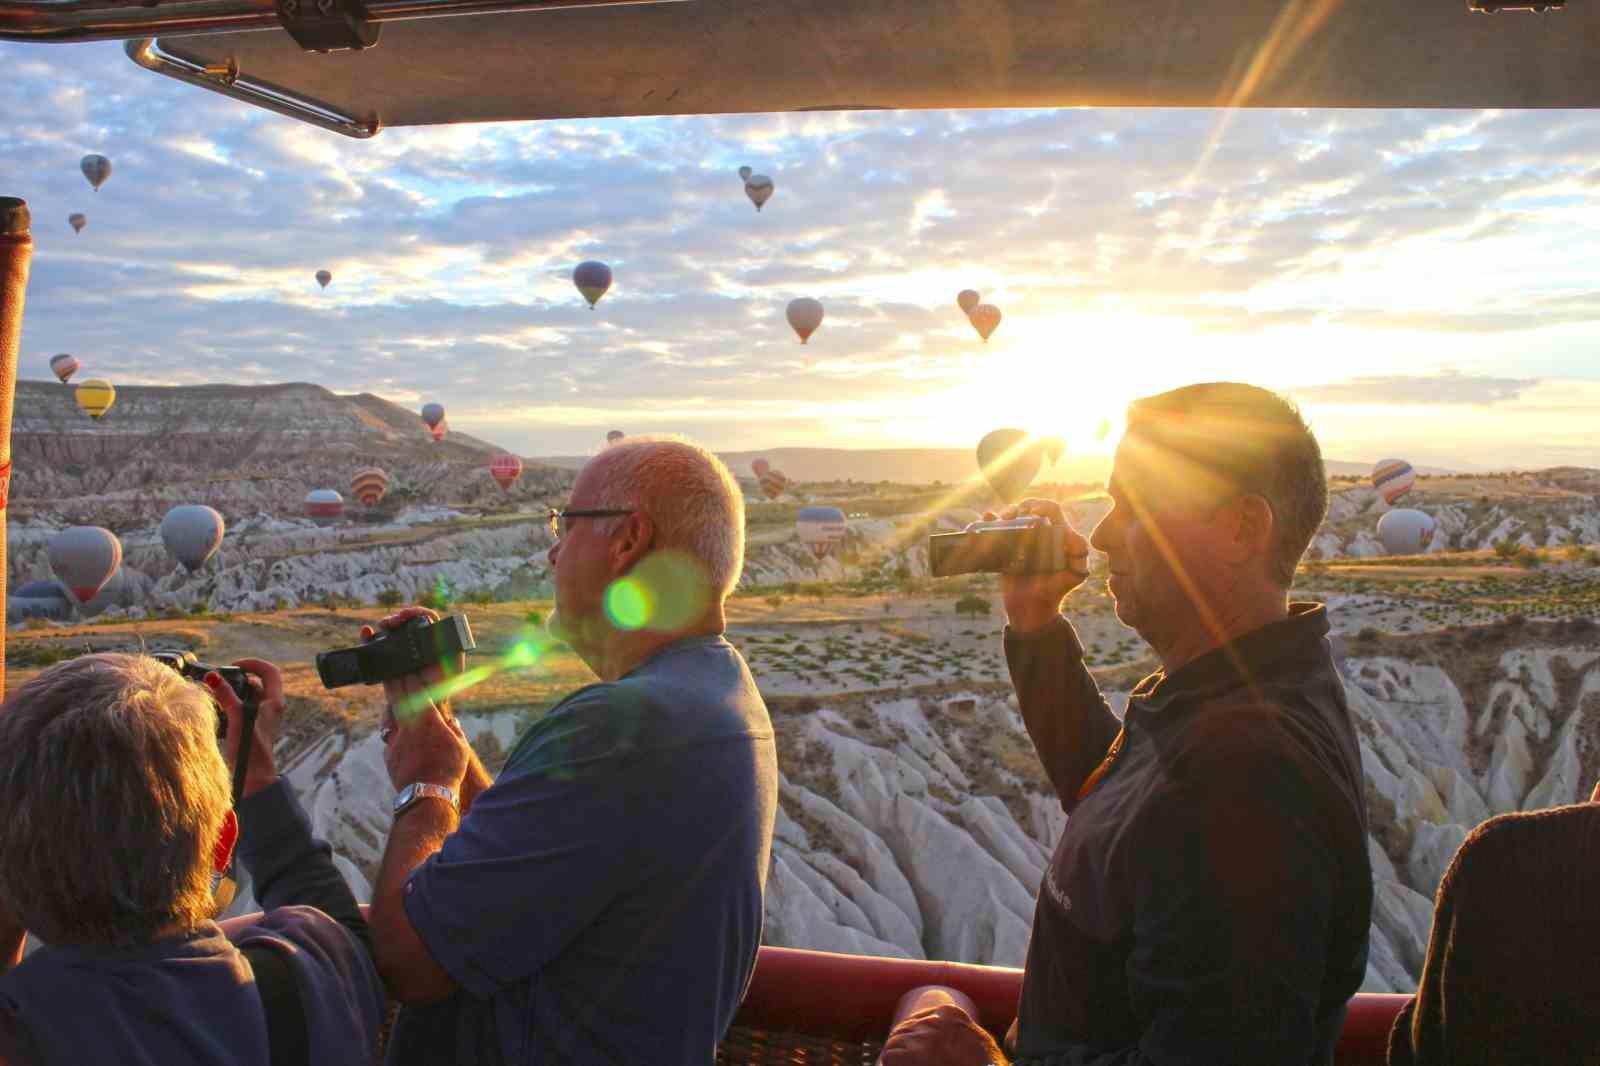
(558, 518)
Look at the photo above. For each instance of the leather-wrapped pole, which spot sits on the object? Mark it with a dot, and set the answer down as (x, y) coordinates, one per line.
(16, 252)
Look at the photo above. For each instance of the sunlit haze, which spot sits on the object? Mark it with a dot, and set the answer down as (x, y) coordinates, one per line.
(1421, 282)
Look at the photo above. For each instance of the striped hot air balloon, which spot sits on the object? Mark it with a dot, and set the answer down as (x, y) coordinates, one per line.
(1393, 478)
(774, 484)
(96, 396)
(324, 504)
(505, 468)
(63, 366)
(369, 486)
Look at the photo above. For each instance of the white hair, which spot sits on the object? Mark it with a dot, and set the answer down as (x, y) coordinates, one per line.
(692, 498)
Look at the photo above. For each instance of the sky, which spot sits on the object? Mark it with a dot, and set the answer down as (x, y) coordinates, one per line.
(1422, 283)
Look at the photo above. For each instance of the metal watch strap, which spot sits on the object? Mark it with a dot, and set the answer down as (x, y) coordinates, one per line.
(415, 791)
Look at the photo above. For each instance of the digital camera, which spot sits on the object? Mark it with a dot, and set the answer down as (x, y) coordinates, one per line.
(1025, 545)
(396, 652)
(186, 664)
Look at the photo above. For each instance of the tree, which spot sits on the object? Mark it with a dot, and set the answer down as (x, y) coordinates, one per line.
(973, 605)
(389, 597)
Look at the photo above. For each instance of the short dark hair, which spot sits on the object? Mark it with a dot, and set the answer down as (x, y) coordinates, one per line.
(1255, 443)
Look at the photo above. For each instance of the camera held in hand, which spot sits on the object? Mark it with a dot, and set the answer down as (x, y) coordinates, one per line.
(186, 664)
(396, 653)
(1025, 545)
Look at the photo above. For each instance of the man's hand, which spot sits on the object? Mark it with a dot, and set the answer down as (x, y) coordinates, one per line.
(942, 1036)
(1033, 601)
(262, 770)
(423, 742)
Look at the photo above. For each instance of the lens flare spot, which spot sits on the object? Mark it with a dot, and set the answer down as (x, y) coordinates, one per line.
(629, 603)
(667, 591)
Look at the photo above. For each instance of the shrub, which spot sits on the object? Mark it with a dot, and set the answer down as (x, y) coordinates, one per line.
(774, 601)
(479, 597)
(535, 619)
(973, 605)
(1367, 635)
(36, 622)
(1506, 548)
(390, 597)
(1529, 558)
(198, 608)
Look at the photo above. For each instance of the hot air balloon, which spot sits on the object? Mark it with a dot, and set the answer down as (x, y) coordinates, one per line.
(805, 315)
(744, 173)
(97, 168)
(77, 221)
(433, 417)
(592, 279)
(1393, 478)
(1405, 532)
(192, 532)
(774, 484)
(96, 396)
(967, 299)
(505, 468)
(759, 188)
(324, 504)
(1052, 447)
(821, 528)
(45, 599)
(323, 277)
(985, 318)
(1009, 461)
(84, 558)
(63, 366)
(369, 486)
(760, 467)
(614, 436)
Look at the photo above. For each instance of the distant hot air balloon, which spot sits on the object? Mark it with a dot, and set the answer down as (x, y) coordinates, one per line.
(967, 299)
(592, 279)
(760, 467)
(96, 396)
(369, 486)
(97, 168)
(192, 532)
(774, 484)
(759, 188)
(324, 504)
(1009, 461)
(1405, 532)
(821, 528)
(614, 436)
(77, 221)
(433, 417)
(323, 277)
(63, 366)
(84, 558)
(805, 315)
(744, 173)
(505, 468)
(1393, 478)
(985, 318)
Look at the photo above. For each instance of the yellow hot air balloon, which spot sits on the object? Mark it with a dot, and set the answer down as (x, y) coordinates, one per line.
(96, 396)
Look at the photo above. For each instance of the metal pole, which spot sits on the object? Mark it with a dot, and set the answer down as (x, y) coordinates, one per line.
(16, 251)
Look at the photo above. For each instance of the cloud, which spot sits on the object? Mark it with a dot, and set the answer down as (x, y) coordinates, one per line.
(1447, 388)
(1344, 239)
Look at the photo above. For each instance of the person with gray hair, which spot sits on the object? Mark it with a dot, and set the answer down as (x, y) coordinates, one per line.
(116, 826)
(602, 900)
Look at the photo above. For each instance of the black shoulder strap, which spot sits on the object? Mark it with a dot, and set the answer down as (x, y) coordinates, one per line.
(287, 1043)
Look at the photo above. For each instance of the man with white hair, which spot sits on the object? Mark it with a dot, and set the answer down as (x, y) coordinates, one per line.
(601, 901)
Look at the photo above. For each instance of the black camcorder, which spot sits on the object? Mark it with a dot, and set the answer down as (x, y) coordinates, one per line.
(1025, 545)
(396, 652)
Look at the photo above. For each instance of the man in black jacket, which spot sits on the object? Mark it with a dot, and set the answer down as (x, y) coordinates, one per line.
(1209, 899)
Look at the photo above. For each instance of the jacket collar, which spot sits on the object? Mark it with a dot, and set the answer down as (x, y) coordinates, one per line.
(1239, 663)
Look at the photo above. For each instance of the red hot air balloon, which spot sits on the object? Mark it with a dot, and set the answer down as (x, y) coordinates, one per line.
(369, 486)
(433, 417)
(505, 468)
(760, 466)
(985, 319)
(323, 504)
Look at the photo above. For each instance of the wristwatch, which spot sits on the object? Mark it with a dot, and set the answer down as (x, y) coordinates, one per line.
(414, 792)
